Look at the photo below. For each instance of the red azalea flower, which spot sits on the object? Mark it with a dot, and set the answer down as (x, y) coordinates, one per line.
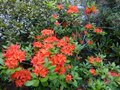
(93, 9)
(98, 30)
(50, 39)
(48, 46)
(37, 44)
(114, 74)
(11, 63)
(13, 53)
(38, 59)
(87, 10)
(91, 59)
(59, 6)
(20, 77)
(40, 70)
(68, 49)
(60, 69)
(47, 32)
(55, 16)
(72, 9)
(98, 59)
(93, 71)
(45, 52)
(68, 78)
(37, 69)
(61, 43)
(88, 26)
(58, 59)
(43, 72)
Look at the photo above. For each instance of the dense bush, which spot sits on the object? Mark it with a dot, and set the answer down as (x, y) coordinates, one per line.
(66, 48)
(20, 19)
(108, 18)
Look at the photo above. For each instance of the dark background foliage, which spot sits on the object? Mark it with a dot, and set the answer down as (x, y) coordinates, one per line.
(19, 20)
(109, 19)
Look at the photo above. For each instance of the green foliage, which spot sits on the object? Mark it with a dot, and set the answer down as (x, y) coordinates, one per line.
(22, 20)
(1, 59)
(34, 83)
(108, 18)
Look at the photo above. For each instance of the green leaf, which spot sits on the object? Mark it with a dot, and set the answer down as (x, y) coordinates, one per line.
(44, 83)
(33, 75)
(68, 61)
(63, 84)
(1, 60)
(51, 67)
(62, 76)
(44, 79)
(75, 83)
(34, 83)
(79, 47)
(29, 83)
(52, 77)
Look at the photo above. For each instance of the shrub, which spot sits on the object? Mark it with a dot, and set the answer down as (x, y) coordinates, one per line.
(66, 54)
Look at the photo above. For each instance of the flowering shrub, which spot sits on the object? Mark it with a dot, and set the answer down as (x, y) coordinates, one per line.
(20, 77)
(13, 55)
(64, 56)
(50, 62)
(99, 76)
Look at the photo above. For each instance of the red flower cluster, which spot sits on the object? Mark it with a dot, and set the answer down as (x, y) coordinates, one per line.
(92, 59)
(93, 71)
(50, 39)
(98, 30)
(55, 16)
(88, 26)
(60, 69)
(20, 77)
(38, 61)
(114, 74)
(72, 9)
(58, 58)
(47, 32)
(66, 47)
(37, 44)
(89, 10)
(13, 55)
(59, 6)
(68, 78)
(40, 70)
